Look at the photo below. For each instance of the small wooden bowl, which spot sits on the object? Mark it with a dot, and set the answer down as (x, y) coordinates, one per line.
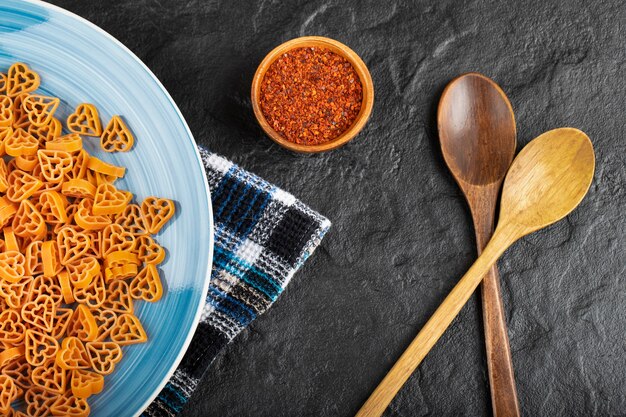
(338, 48)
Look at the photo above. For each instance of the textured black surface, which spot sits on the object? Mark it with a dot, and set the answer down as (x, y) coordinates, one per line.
(401, 232)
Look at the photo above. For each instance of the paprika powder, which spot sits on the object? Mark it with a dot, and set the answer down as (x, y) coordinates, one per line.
(311, 95)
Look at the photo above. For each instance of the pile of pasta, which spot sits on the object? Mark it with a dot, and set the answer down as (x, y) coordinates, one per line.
(75, 252)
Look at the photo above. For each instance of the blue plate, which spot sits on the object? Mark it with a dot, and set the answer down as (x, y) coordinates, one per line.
(78, 62)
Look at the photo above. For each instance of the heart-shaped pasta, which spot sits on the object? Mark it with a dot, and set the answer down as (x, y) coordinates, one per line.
(20, 117)
(82, 271)
(123, 272)
(105, 320)
(86, 383)
(80, 160)
(118, 298)
(27, 162)
(39, 347)
(121, 258)
(49, 376)
(43, 285)
(39, 401)
(22, 186)
(117, 137)
(12, 266)
(21, 143)
(52, 207)
(88, 221)
(11, 241)
(93, 295)
(47, 132)
(73, 354)
(110, 200)
(47, 186)
(128, 330)
(8, 393)
(6, 111)
(28, 222)
(156, 212)
(67, 143)
(83, 325)
(15, 294)
(80, 188)
(19, 370)
(21, 79)
(132, 220)
(40, 109)
(70, 406)
(149, 251)
(96, 165)
(55, 165)
(61, 321)
(4, 174)
(72, 244)
(50, 259)
(104, 356)
(40, 313)
(85, 120)
(115, 238)
(10, 354)
(147, 285)
(11, 327)
(66, 287)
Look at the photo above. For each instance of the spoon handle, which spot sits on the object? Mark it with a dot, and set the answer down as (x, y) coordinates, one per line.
(434, 327)
(499, 363)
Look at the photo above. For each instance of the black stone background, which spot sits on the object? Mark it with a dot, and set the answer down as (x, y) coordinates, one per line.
(401, 234)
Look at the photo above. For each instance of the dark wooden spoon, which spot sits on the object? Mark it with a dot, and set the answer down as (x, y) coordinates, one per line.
(477, 134)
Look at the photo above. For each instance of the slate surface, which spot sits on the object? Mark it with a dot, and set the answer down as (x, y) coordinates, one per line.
(401, 233)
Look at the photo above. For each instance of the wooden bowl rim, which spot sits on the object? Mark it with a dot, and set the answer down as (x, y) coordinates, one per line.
(336, 47)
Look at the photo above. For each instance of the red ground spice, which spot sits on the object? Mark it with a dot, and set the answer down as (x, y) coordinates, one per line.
(311, 95)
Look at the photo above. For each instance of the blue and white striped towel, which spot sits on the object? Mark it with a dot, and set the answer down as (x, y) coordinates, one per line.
(262, 237)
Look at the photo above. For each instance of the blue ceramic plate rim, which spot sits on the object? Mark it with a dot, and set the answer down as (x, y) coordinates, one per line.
(192, 141)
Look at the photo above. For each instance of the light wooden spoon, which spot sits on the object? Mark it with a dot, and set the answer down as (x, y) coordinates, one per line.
(477, 134)
(546, 181)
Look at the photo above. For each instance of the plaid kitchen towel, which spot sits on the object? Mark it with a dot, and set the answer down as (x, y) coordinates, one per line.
(262, 236)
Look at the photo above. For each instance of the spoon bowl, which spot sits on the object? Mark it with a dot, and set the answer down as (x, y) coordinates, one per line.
(561, 159)
(476, 129)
